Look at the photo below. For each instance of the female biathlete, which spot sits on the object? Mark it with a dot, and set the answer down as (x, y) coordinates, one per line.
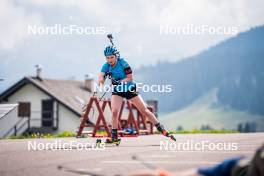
(122, 80)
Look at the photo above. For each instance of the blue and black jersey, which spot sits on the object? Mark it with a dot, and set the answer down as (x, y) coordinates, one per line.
(119, 71)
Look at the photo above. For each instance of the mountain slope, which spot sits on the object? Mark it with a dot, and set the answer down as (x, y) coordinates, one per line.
(205, 111)
(234, 66)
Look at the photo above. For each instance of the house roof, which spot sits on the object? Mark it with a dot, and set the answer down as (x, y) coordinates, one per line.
(6, 108)
(69, 93)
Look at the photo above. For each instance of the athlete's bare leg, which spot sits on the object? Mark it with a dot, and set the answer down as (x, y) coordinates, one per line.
(141, 106)
(116, 102)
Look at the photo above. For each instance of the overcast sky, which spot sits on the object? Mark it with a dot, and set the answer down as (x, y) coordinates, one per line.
(134, 24)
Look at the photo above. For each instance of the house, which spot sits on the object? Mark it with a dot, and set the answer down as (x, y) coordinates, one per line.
(48, 105)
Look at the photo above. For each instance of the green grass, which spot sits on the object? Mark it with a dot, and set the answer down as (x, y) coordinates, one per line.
(65, 134)
(40, 135)
(60, 135)
(198, 131)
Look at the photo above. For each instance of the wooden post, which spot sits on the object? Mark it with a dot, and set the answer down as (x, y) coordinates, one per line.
(100, 118)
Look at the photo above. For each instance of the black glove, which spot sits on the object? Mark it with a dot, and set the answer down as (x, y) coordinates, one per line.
(108, 74)
(115, 82)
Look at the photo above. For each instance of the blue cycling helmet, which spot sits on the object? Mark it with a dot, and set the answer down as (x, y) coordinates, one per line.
(110, 50)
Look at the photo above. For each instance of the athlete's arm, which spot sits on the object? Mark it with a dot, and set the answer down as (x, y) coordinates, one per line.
(129, 77)
(101, 79)
(102, 74)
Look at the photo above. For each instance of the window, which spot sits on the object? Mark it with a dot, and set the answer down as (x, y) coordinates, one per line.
(24, 109)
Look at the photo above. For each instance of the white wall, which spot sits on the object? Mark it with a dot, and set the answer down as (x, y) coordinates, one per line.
(68, 121)
(30, 93)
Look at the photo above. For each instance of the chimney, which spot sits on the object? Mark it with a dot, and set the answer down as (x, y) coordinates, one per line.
(89, 83)
(38, 71)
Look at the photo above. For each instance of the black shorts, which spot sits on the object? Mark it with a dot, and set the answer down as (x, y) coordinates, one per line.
(128, 94)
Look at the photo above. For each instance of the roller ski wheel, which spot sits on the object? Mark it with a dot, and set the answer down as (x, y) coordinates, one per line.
(114, 142)
(167, 134)
(172, 137)
(107, 142)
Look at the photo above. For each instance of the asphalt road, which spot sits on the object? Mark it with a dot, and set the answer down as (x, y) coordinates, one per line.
(19, 157)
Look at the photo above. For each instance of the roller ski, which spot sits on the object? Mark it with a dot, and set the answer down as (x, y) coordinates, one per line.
(164, 132)
(111, 140)
(108, 142)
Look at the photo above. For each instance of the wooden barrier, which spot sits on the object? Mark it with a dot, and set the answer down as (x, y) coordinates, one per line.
(139, 123)
(100, 117)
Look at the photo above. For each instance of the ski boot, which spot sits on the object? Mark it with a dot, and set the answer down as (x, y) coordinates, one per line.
(114, 138)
